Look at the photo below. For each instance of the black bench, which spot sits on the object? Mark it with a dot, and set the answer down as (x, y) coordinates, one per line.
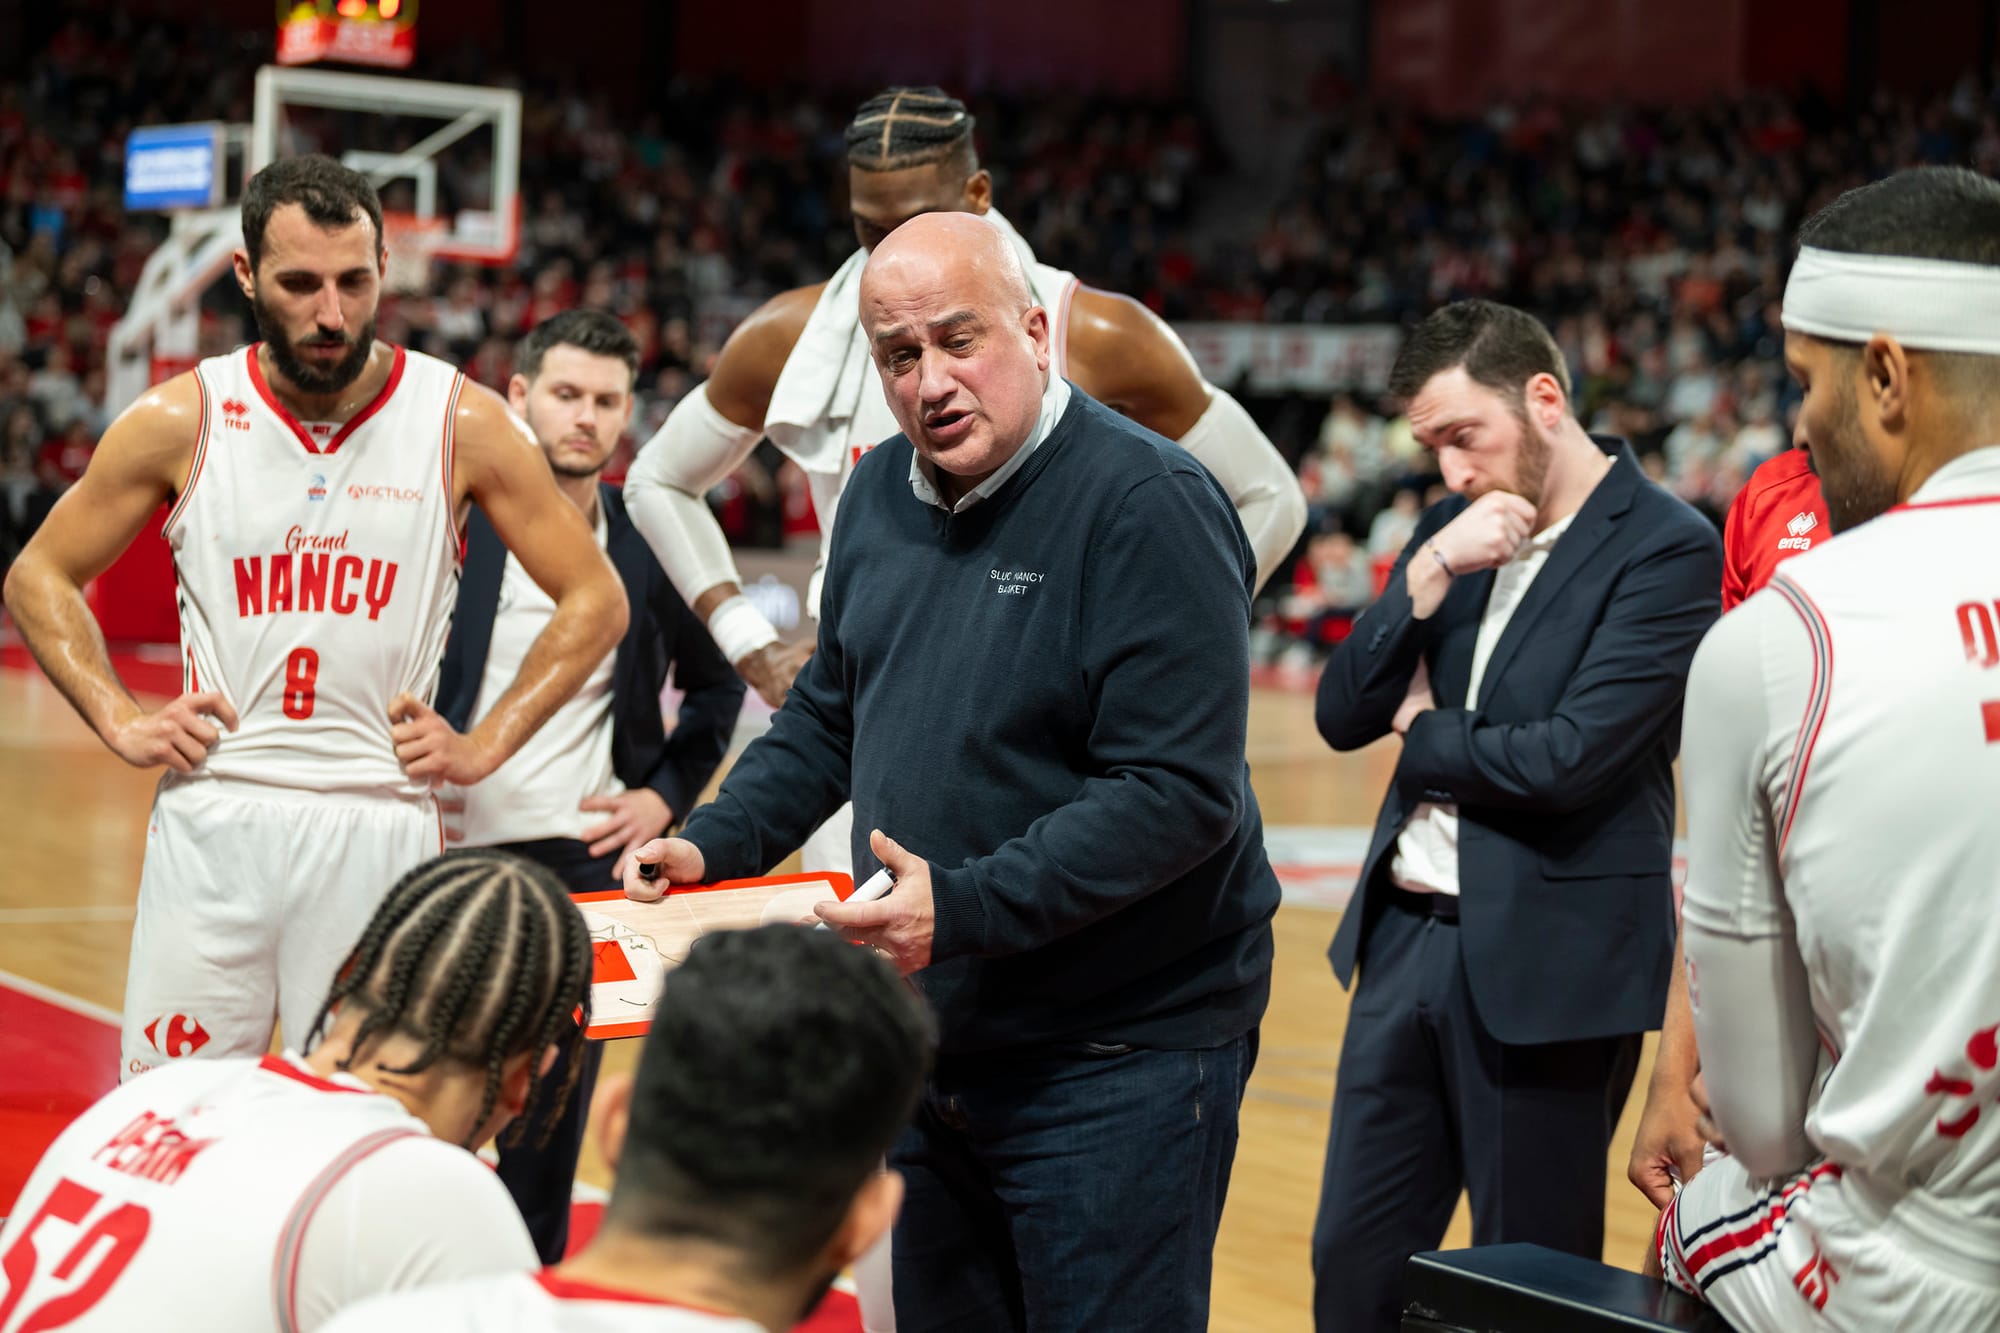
(1527, 1289)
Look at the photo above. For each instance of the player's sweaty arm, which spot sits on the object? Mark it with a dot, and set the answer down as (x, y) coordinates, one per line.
(499, 466)
(706, 437)
(142, 462)
(1125, 356)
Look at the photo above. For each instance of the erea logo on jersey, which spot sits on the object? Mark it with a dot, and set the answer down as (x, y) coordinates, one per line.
(317, 490)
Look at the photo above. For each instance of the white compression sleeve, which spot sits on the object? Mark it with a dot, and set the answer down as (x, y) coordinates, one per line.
(416, 1213)
(1265, 491)
(1747, 983)
(693, 451)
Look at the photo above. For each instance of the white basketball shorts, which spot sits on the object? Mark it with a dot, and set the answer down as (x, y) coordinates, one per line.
(1820, 1252)
(250, 900)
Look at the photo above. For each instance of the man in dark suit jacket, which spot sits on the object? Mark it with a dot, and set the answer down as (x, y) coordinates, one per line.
(1514, 923)
(602, 775)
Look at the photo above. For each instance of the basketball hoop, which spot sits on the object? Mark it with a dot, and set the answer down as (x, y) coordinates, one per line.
(412, 244)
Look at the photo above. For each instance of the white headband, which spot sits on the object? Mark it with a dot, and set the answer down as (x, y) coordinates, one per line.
(1931, 305)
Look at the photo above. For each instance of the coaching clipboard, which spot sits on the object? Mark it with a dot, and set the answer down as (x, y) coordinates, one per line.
(636, 943)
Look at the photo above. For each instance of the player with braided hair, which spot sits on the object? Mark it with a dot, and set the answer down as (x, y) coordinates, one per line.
(267, 1194)
(480, 956)
(780, 1066)
(901, 128)
(797, 371)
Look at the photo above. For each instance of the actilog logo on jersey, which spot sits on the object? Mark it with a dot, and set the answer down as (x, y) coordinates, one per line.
(317, 490)
(407, 495)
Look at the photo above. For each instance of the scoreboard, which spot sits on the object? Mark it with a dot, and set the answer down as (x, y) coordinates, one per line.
(358, 32)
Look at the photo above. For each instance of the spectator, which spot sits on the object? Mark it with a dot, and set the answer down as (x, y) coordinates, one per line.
(58, 463)
(1392, 527)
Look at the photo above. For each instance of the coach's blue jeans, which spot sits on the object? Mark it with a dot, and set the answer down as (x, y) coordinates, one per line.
(1069, 1189)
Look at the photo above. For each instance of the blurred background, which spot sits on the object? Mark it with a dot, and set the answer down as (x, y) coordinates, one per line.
(1289, 182)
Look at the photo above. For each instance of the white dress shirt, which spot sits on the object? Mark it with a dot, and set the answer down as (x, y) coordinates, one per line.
(535, 794)
(1055, 401)
(1427, 849)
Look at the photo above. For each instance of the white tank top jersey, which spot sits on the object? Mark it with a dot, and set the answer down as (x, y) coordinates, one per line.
(535, 794)
(317, 567)
(244, 1195)
(531, 1303)
(1877, 659)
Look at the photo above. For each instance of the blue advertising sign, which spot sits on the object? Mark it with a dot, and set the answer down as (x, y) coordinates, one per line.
(173, 166)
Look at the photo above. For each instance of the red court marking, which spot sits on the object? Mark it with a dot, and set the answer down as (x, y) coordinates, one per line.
(143, 675)
(838, 1313)
(585, 1216)
(53, 1064)
(55, 1061)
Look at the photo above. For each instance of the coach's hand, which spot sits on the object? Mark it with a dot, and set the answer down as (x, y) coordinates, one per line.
(679, 860)
(636, 816)
(1668, 1144)
(179, 735)
(771, 669)
(430, 750)
(1487, 534)
(899, 924)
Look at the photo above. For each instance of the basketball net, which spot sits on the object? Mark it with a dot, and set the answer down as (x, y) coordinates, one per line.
(412, 244)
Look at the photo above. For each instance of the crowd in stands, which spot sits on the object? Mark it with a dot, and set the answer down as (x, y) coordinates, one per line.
(1654, 243)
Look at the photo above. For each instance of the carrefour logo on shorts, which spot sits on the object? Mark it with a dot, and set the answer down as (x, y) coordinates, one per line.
(317, 491)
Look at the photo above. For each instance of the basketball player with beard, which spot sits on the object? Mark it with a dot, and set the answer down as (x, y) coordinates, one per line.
(319, 480)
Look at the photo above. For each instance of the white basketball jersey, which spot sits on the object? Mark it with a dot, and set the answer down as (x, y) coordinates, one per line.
(180, 1200)
(1884, 795)
(530, 1303)
(317, 566)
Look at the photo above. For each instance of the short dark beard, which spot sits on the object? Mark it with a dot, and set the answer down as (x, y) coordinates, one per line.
(1531, 461)
(309, 379)
(571, 470)
(1857, 487)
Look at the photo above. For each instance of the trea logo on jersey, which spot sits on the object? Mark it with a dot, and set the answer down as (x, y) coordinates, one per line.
(1802, 522)
(317, 490)
(313, 573)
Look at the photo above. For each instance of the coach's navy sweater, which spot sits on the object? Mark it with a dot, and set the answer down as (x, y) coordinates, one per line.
(1045, 698)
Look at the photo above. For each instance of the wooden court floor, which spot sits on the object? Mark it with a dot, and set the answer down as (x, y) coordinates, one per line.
(72, 823)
